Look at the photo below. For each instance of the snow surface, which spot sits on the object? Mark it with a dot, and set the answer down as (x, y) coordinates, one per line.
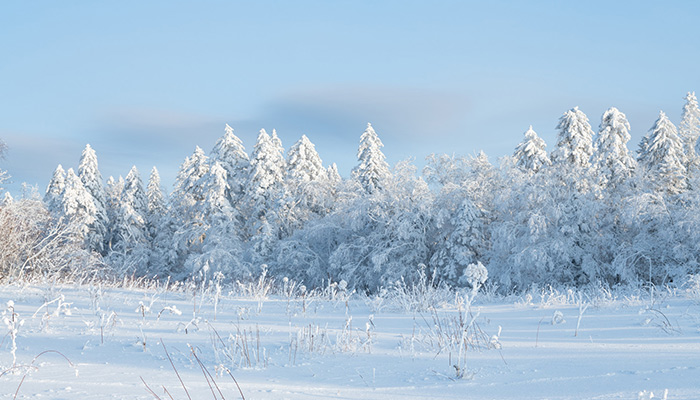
(315, 348)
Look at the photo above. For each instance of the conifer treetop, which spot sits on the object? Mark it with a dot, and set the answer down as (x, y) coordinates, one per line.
(531, 153)
(612, 158)
(372, 169)
(575, 140)
(303, 162)
(662, 157)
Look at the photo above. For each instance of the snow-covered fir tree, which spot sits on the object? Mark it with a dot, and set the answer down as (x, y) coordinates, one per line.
(131, 239)
(156, 202)
(113, 193)
(372, 169)
(304, 165)
(186, 183)
(333, 183)
(265, 182)
(661, 157)
(531, 153)
(219, 249)
(52, 198)
(574, 140)
(612, 160)
(134, 205)
(614, 169)
(92, 180)
(230, 153)
(79, 208)
(215, 207)
(306, 186)
(333, 175)
(180, 233)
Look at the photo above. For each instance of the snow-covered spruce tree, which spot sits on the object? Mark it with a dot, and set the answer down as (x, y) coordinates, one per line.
(333, 175)
(131, 239)
(306, 186)
(179, 233)
(230, 153)
(134, 201)
(215, 207)
(156, 203)
(52, 198)
(220, 249)
(113, 194)
(483, 183)
(372, 170)
(78, 208)
(689, 131)
(188, 191)
(574, 141)
(303, 162)
(531, 153)
(92, 180)
(614, 170)
(661, 158)
(334, 183)
(612, 161)
(572, 214)
(265, 184)
(194, 167)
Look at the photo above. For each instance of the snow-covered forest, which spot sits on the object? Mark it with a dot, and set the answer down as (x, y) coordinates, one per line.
(591, 208)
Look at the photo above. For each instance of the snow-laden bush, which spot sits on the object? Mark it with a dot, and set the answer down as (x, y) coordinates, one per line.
(475, 275)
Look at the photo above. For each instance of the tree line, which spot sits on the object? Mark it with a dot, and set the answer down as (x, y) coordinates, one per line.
(591, 211)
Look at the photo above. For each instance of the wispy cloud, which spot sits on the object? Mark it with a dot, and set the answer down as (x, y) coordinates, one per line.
(410, 112)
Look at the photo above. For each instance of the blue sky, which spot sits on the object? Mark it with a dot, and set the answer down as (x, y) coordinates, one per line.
(145, 82)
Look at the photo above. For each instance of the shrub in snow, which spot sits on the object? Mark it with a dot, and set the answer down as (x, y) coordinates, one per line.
(421, 295)
(475, 275)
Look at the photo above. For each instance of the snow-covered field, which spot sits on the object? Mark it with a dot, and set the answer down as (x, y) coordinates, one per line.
(554, 346)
